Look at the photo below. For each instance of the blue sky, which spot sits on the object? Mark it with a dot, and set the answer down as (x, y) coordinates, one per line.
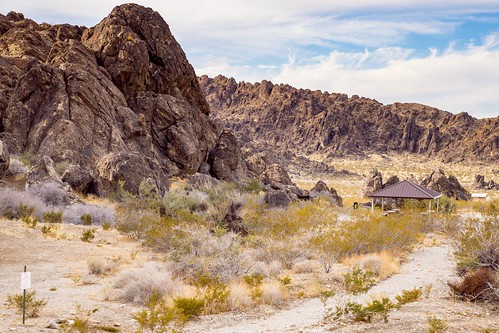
(441, 53)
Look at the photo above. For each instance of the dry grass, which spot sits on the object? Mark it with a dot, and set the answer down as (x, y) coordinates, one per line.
(382, 264)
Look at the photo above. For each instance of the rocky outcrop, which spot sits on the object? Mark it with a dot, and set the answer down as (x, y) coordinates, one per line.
(226, 159)
(322, 190)
(4, 159)
(79, 179)
(448, 186)
(149, 119)
(202, 182)
(373, 183)
(282, 120)
(277, 198)
(481, 184)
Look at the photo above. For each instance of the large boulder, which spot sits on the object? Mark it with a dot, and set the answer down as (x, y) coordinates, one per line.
(4, 159)
(277, 198)
(373, 183)
(449, 186)
(322, 190)
(481, 184)
(149, 102)
(226, 159)
(202, 182)
(276, 173)
(80, 179)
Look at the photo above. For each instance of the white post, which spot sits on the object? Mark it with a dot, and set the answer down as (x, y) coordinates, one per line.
(382, 204)
(372, 205)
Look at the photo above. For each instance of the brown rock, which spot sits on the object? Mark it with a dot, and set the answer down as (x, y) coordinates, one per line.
(279, 198)
(275, 173)
(449, 186)
(373, 183)
(79, 179)
(226, 159)
(322, 190)
(280, 119)
(4, 159)
(202, 182)
(149, 101)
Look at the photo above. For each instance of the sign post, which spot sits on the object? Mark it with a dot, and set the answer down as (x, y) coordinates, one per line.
(25, 284)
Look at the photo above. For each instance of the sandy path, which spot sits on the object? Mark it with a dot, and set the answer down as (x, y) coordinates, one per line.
(430, 265)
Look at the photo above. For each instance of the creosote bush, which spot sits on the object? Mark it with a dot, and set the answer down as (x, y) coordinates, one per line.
(33, 305)
(52, 217)
(88, 235)
(358, 281)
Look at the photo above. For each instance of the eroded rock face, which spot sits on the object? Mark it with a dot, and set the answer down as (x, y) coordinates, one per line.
(4, 159)
(282, 119)
(373, 183)
(448, 186)
(79, 179)
(322, 190)
(117, 99)
(226, 159)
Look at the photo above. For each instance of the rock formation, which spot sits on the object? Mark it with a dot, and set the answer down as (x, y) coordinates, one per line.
(481, 184)
(448, 186)
(4, 159)
(322, 190)
(284, 120)
(120, 100)
(373, 183)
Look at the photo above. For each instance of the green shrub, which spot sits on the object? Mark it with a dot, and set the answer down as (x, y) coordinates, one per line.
(286, 280)
(189, 306)
(436, 325)
(86, 219)
(409, 296)
(358, 281)
(88, 235)
(61, 167)
(254, 283)
(28, 158)
(254, 186)
(33, 305)
(214, 292)
(25, 211)
(446, 205)
(366, 313)
(52, 217)
(158, 317)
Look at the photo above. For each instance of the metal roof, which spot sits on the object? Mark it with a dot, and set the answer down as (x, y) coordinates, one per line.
(406, 190)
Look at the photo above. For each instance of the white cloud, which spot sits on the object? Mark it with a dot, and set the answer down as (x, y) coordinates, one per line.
(454, 81)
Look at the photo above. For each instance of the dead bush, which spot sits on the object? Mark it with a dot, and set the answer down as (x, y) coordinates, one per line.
(478, 285)
(99, 215)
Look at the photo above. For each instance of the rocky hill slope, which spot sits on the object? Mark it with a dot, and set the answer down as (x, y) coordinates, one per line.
(283, 120)
(120, 100)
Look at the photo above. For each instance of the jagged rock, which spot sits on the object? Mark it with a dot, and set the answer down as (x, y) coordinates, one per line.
(449, 186)
(52, 325)
(4, 159)
(277, 198)
(80, 179)
(204, 168)
(391, 181)
(281, 119)
(481, 184)
(374, 182)
(226, 159)
(275, 173)
(149, 100)
(201, 182)
(129, 168)
(43, 171)
(257, 164)
(322, 190)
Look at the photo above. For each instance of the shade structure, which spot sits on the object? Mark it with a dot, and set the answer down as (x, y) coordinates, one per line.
(406, 190)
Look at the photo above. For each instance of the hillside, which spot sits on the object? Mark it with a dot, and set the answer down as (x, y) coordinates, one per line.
(322, 125)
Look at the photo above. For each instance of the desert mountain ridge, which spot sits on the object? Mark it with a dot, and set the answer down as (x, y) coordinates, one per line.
(282, 119)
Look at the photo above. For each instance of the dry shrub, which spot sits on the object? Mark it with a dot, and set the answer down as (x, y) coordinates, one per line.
(139, 285)
(101, 266)
(478, 285)
(51, 193)
(273, 293)
(305, 266)
(11, 200)
(99, 215)
(382, 264)
(239, 297)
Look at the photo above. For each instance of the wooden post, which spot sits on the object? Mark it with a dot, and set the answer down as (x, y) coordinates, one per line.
(438, 200)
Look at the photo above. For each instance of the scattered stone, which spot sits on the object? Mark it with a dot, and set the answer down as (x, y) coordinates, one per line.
(52, 325)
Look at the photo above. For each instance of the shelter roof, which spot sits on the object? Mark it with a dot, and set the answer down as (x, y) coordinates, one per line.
(406, 190)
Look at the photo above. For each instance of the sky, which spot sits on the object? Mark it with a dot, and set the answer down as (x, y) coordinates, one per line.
(440, 53)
